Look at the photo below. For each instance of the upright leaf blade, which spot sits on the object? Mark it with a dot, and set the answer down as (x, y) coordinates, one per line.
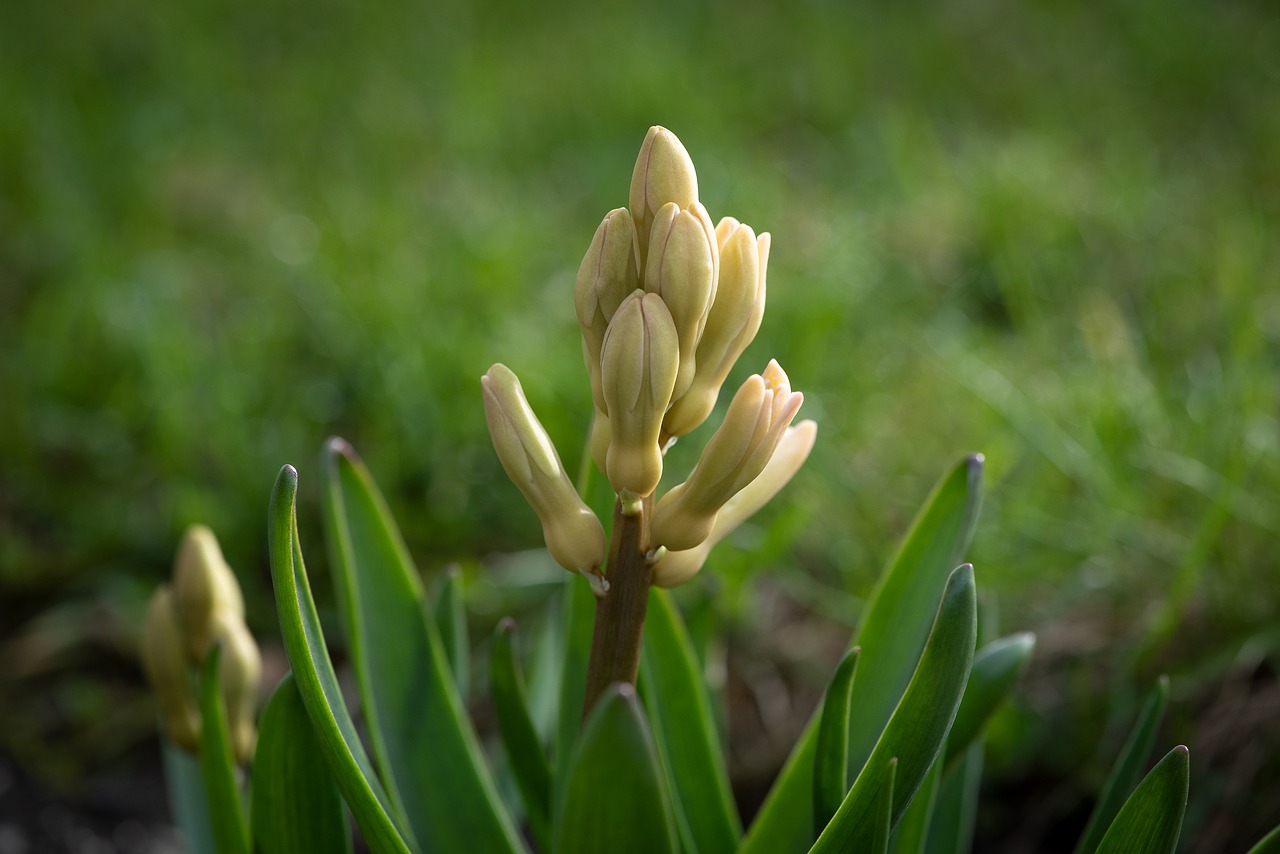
(615, 797)
(451, 617)
(421, 736)
(187, 801)
(226, 804)
(912, 831)
(956, 811)
(295, 805)
(996, 668)
(918, 727)
(675, 695)
(579, 621)
(1151, 819)
(524, 749)
(318, 684)
(897, 621)
(831, 761)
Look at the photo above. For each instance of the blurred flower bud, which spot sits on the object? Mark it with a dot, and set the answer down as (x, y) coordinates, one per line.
(239, 672)
(682, 268)
(638, 365)
(731, 325)
(663, 173)
(678, 567)
(608, 274)
(598, 443)
(164, 660)
(759, 414)
(203, 586)
(573, 534)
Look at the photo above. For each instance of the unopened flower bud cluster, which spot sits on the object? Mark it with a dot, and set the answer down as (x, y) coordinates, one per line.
(667, 301)
(202, 606)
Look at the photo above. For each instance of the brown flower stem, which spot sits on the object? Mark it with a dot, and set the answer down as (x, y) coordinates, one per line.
(619, 628)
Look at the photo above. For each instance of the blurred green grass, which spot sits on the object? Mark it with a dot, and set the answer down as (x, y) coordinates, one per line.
(1043, 231)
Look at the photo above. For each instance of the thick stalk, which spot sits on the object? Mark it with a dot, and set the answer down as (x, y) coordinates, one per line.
(619, 629)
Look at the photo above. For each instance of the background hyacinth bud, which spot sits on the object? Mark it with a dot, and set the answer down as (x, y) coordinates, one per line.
(732, 322)
(608, 274)
(573, 534)
(677, 567)
(204, 586)
(239, 672)
(759, 414)
(164, 659)
(663, 173)
(682, 268)
(638, 364)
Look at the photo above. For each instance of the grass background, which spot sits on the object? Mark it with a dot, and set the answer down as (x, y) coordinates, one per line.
(1043, 231)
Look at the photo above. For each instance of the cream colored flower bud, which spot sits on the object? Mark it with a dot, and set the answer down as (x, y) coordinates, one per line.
(682, 268)
(573, 534)
(608, 274)
(639, 360)
(678, 567)
(732, 322)
(239, 672)
(598, 443)
(663, 173)
(737, 452)
(203, 586)
(164, 659)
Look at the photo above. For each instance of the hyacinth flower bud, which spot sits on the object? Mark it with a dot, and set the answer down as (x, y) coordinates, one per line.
(239, 672)
(598, 442)
(638, 365)
(682, 268)
(204, 586)
(164, 660)
(759, 414)
(676, 568)
(608, 274)
(732, 322)
(573, 534)
(663, 173)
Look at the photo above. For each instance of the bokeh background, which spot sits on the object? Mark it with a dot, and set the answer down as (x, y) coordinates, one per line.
(1048, 232)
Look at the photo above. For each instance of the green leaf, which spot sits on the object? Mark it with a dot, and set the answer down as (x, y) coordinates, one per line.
(1124, 774)
(893, 630)
(579, 623)
(912, 832)
(1269, 844)
(883, 812)
(996, 668)
(226, 803)
(425, 747)
(918, 727)
(615, 795)
(187, 801)
(1151, 819)
(296, 805)
(955, 813)
(831, 761)
(679, 706)
(528, 760)
(451, 617)
(318, 684)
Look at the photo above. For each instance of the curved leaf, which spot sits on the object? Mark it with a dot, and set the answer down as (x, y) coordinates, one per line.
(528, 760)
(187, 801)
(226, 804)
(1151, 820)
(615, 796)
(918, 727)
(996, 668)
(423, 741)
(1269, 844)
(831, 761)
(295, 804)
(956, 811)
(451, 617)
(317, 683)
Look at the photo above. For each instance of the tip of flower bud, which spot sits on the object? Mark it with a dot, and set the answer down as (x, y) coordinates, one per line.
(663, 173)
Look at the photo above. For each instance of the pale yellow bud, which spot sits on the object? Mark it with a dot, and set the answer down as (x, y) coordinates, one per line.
(678, 567)
(682, 268)
(731, 325)
(608, 274)
(736, 453)
(573, 534)
(239, 672)
(164, 659)
(663, 173)
(598, 443)
(203, 586)
(638, 363)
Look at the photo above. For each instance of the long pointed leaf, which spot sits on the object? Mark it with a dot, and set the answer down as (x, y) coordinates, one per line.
(524, 749)
(296, 805)
(912, 832)
(226, 803)
(318, 684)
(1128, 766)
(1269, 844)
(895, 624)
(675, 695)
(1151, 820)
(831, 761)
(956, 811)
(451, 617)
(426, 749)
(996, 668)
(579, 621)
(918, 727)
(187, 800)
(616, 798)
